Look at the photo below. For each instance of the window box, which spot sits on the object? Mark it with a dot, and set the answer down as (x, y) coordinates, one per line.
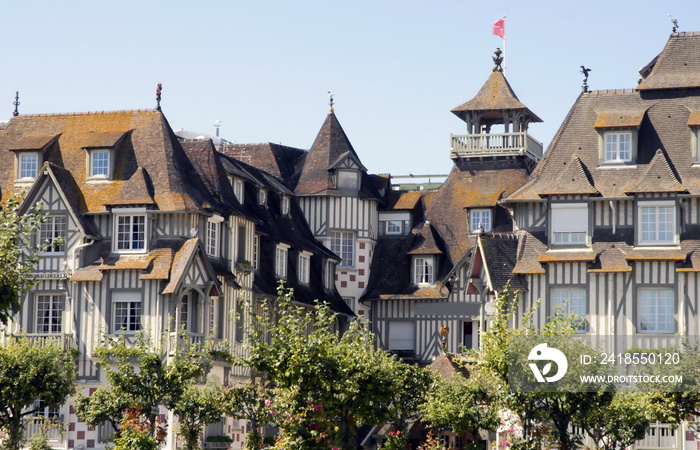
(244, 265)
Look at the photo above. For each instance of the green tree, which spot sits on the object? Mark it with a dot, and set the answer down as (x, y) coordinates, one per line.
(544, 415)
(326, 383)
(619, 424)
(142, 376)
(251, 402)
(464, 404)
(18, 257)
(27, 373)
(197, 407)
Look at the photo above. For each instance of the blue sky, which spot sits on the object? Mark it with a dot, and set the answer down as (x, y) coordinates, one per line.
(264, 67)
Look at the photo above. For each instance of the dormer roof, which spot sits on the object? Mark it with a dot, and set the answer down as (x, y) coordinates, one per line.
(574, 179)
(659, 177)
(495, 96)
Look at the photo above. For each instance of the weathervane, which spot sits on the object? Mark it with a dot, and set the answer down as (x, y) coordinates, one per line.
(674, 22)
(159, 88)
(498, 60)
(584, 86)
(16, 103)
(330, 99)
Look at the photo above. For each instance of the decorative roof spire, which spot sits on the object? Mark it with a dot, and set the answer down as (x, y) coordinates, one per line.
(584, 86)
(330, 100)
(159, 88)
(498, 60)
(16, 103)
(674, 22)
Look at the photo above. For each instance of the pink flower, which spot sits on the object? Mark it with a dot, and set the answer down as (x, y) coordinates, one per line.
(506, 443)
(318, 407)
(335, 447)
(268, 402)
(273, 412)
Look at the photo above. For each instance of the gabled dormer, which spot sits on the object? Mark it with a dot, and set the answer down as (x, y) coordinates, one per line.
(100, 154)
(30, 153)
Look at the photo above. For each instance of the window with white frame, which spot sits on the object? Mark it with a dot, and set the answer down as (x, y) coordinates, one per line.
(237, 184)
(569, 224)
(214, 322)
(284, 208)
(695, 143)
(343, 245)
(213, 236)
(49, 313)
(126, 312)
(27, 166)
(570, 301)
(52, 234)
(100, 163)
(480, 217)
(657, 223)
(396, 223)
(656, 311)
(281, 260)
(130, 232)
(262, 197)
(617, 146)
(304, 267)
(402, 335)
(394, 227)
(348, 180)
(329, 274)
(187, 312)
(423, 270)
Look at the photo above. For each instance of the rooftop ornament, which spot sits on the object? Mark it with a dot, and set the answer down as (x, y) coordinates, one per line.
(584, 86)
(16, 103)
(330, 100)
(159, 88)
(498, 60)
(674, 22)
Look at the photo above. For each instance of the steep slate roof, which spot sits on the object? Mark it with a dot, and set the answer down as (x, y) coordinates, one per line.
(278, 160)
(331, 146)
(495, 95)
(574, 179)
(663, 108)
(137, 190)
(678, 66)
(499, 254)
(142, 139)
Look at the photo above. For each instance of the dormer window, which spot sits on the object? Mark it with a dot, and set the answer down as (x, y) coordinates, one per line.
(480, 217)
(348, 180)
(618, 147)
(395, 223)
(284, 207)
(262, 197)
(237, 185)
(100, 166)
(27, 166)
(130, 231)
(304, 267)
(213, 235)
(423, 270)
(281, 260)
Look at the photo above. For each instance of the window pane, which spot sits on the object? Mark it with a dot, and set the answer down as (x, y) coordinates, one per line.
(49, 313)
(28, 165)
(570, 301)
(656, 311)
(343, 245)
(100, 163)
(131, 232)
(53, 228)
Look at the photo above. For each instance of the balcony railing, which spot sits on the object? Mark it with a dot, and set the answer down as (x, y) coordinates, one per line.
(63, 340)
(52, 428)
(499, 144)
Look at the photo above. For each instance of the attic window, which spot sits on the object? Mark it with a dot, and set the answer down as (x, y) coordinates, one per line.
(27, 166)
(348, 180)
(480, 217)
(618, 147)
(262, 197)
(423, 270)
(100, 165)
(237, 184)
(284, 207)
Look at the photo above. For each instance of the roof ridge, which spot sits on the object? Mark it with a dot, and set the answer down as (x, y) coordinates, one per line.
(610, 91)
(86, 113)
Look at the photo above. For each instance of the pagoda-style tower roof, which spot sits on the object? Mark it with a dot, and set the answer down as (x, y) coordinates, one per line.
(495, 97)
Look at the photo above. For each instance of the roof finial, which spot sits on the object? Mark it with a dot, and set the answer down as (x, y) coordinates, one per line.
(674, 22)
(498, 60)
(330, 100)
(159, 88)
(584, 86)
(16, 103)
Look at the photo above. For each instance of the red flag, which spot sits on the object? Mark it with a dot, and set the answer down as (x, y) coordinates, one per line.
(499, 28)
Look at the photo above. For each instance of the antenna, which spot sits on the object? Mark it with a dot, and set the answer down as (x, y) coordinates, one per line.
(217, 125)
(159, 88)
(16, 103)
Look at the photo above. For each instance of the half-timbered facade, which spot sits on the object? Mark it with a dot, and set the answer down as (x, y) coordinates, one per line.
(442, 254)
(156, 235)
(608, 224)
